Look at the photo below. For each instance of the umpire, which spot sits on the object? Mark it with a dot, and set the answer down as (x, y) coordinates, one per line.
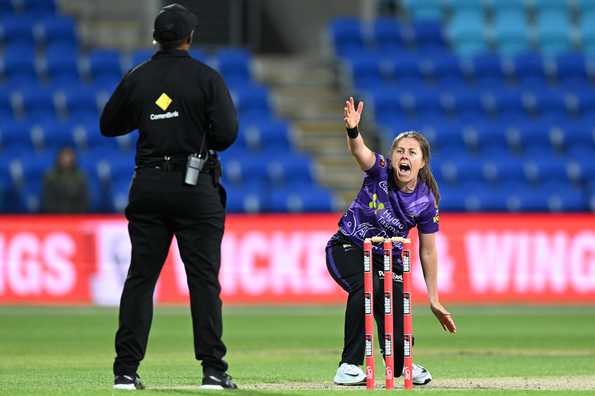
(183, 112)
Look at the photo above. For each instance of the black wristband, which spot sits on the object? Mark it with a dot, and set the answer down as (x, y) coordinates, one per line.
(352, 132)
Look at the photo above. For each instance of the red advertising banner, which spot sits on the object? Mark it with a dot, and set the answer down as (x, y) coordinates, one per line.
(278, 259)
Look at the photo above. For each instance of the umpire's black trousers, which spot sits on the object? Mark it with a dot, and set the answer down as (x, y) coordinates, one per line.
(160, 206)
(345, 263)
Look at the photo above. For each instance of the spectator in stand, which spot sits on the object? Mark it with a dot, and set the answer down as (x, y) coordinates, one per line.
(65, 186)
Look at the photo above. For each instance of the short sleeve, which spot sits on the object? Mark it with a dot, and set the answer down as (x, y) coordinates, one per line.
(379, 169)
(429, 219)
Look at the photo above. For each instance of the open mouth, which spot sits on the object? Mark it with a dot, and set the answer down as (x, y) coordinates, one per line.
(404, 169)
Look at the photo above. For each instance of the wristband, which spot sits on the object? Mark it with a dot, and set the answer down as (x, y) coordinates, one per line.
(352, 132)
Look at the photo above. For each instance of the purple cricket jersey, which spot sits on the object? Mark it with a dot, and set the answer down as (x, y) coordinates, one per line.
(380, 209)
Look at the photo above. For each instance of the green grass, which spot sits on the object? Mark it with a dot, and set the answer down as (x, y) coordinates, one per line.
(69, 351)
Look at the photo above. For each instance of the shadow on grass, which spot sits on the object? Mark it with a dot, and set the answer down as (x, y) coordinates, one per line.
(235, 392)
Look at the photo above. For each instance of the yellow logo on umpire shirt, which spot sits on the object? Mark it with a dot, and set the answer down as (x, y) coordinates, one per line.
(163, 101)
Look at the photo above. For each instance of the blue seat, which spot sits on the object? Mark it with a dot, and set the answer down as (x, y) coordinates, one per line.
(300, 198)
(288, 167)
(37, 7)
(466, 5)
(388, 35)
(584, 6)
(552, 6)
(53, 135)
(467, 33)
(346, 36)
(504, 101)
(486, 136)
(546, 101)
(425, 102)
(17, 30)
(405, 67)
(30, 166)
(366, 72)
(571, 66)
(104, 64)
(587, 32)
(82, 100)
(487, 66)
(582, 168)
(528, 66)
(503, 168)
(386, 102)
(38, 103)
(541, 169)
(57, 30)
(428, 33)
(6, 109)
(510, 32)
(18, 63)
(246, 198)
(563, 197)
(553, 32)
(273, 134)
(251, 101)
(448, 69)
(15, 135)
(499, 6)
(246, 167)
(234, 64)
(529, 134)
(424, 9)
(87, 136)
(579, 133)
(62, 64)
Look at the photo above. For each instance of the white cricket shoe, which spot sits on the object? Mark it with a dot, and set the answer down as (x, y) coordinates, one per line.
(349, 374)
(421, 376)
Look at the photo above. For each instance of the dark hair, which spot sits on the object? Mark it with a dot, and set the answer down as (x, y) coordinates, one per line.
(169, 45)
(425, 173)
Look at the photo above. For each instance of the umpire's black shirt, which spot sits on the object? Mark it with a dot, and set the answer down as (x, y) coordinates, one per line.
(172, 100)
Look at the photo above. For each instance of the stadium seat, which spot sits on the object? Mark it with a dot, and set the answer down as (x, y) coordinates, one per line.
(252, 101)
(6, 109)
(56, 30)
(104, 65)
(246, 197)
(366, 73)
(499, 6)
(428, 33)
(15, 136)
(553, 32)
(581, 164)
(17, 30)
(30, 167)
(77, 103)
(539, 169)
(61, 64)
(487, 66)
(587, 32)
(347, 36)
(510, 33)
(467, 33)
(37, 7)
(52, 135)
(234, 64)
(529, 66)
(571, 66)
(448, 70)
(424, 9)
(38, 104)
(273, 134)
(388, 35)
(19, 64)
(301, 197)
(284, 168)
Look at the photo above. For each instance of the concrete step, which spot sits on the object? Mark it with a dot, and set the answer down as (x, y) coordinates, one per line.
(297, 70)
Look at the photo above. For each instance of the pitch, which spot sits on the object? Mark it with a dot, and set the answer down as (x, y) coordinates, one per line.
(295, 351)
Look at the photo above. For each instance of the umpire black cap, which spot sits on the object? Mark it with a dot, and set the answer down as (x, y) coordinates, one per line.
(174, 22)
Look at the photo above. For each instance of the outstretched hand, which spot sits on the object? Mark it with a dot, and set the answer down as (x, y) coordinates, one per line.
(351, 115)
(444, 317)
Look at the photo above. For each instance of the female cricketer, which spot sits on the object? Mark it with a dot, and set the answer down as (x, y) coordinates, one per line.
(398, 193)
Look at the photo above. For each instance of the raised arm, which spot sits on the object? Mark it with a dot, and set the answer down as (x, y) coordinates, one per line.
(429, 265)
(362, 154)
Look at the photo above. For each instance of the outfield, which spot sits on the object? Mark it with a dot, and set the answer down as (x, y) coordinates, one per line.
(294, 350)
